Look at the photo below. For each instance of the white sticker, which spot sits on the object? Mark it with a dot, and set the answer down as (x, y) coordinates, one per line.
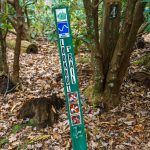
(61, 15)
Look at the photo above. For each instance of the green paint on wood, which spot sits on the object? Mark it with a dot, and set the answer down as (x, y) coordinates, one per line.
(70, 79)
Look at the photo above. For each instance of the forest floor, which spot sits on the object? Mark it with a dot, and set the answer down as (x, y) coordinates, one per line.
(126, 127)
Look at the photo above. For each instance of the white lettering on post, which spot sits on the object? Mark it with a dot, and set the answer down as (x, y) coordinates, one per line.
(71, 66)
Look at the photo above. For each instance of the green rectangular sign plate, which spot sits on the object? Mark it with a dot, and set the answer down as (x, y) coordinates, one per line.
(70, 79)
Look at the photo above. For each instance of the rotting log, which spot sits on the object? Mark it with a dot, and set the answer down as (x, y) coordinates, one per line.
(143, 77)
(26, 47)
(43, 111)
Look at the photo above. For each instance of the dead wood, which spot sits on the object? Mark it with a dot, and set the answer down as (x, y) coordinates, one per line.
(143, 77)
(6, 85)
(43, 111)
(26, 47)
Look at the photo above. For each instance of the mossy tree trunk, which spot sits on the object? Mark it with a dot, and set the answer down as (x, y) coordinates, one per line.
(3, 55)
(110, 57)
(1, 62)
(3, 33)
(91, 10)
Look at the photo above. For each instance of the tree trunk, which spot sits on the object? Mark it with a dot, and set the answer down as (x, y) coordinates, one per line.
(1, 62)
(123, 50)
(91, 10)
(25, 26)
(3, 33)
(110, 33)
(111, 57)
(20, 21)
(3, 52)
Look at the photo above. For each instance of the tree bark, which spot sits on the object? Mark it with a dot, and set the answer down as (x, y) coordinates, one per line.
(1, 62)
(110, 33)
(123, 50)
(20, 21)
(91, 10)
(3, 52)
(3, 33)
(113, 53)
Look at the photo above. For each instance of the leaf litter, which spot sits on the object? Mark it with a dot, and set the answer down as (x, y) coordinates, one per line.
(126, 127)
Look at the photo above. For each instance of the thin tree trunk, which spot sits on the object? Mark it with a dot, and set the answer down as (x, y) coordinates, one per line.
(3, 33)
(110, 32)
(91, 10)
(20, 21)
(3, 51)
(1, 62)
(97, 54)
(25, 27)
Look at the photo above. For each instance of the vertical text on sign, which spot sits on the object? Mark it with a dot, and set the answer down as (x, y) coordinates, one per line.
(71, 66)
(65, 66)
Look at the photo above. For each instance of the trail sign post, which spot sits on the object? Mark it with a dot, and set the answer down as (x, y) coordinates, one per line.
(70, 79)
(147, 14)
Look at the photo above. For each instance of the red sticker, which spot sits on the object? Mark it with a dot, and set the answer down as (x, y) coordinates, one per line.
(76, 120)
(74, 108)
(73, 97)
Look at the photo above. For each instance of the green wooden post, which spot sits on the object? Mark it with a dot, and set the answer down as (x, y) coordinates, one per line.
(70, 79)
(147, 13)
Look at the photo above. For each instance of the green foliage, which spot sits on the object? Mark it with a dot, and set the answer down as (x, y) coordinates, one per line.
(124, 2)
(144, 61)
(41, 19)
(83, 60)
(3, 141)
(16, 128)
(3, 19)
(42, 23)
(78, 25)
(147, 15)
(31, 122)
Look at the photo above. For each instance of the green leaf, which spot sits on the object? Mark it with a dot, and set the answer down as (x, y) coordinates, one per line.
(3, 141)
(16, 128)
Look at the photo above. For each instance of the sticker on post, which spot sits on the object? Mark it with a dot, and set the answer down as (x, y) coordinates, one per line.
(113, 11)
(63, 29)
(61, 15)
(73, 97)
(76, 120)
(74, 108)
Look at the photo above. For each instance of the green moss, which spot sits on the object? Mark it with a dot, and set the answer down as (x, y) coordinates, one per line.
(31, 122)
(16, 128)
(94, 97)
(88, 91)
(144, 61)
(83, 60)
(3, 141)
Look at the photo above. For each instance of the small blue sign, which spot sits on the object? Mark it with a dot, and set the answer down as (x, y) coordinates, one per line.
(63, 29)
